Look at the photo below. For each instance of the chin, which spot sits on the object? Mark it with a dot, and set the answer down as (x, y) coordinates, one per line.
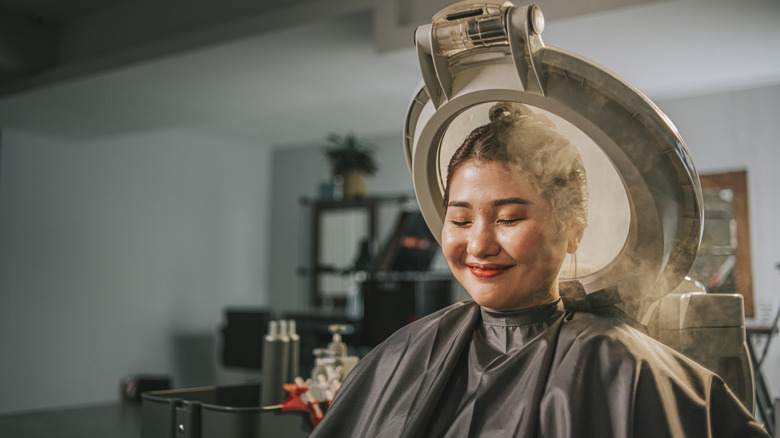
(497, 304)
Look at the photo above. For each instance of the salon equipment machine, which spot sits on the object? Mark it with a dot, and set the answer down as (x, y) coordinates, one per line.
(474, 54)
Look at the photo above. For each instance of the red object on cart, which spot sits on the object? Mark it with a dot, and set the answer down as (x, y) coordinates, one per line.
(300, 400)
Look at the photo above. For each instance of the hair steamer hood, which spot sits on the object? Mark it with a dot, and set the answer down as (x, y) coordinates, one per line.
(474, 54)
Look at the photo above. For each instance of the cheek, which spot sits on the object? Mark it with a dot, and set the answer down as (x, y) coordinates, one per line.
(522, 241)
(452, 243)
(529, 244)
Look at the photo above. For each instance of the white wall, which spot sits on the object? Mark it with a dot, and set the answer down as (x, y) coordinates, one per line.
(117, 256)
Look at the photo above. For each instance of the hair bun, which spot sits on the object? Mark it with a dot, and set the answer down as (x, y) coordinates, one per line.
(509, 111)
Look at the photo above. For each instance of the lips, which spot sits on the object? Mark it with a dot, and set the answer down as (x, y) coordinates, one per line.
(487, 270)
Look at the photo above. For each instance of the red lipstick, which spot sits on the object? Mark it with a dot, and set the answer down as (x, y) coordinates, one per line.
(487, 271)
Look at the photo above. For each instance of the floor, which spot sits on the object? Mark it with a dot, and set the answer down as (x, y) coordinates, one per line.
(118, 420)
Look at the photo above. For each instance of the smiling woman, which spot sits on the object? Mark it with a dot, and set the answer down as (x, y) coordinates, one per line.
(500, 240)
(511, 214)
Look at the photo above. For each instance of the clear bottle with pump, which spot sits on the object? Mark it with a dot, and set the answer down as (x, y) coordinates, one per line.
(337, 349)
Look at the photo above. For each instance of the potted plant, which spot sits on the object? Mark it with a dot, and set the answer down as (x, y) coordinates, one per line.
(351, 160)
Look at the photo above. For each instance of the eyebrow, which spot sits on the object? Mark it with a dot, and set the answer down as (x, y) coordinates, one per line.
(507, 201)
(496, 203)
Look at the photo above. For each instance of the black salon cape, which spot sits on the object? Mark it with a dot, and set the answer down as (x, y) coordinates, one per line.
(583, 376)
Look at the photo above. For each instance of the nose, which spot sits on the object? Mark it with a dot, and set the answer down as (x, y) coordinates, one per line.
(483, 241)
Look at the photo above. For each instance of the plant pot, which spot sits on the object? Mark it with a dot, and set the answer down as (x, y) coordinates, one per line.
(354, 185)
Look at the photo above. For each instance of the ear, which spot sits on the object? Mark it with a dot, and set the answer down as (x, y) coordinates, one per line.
(575, 233)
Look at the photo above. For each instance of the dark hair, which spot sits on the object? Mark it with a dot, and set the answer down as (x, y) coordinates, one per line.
(519, 139)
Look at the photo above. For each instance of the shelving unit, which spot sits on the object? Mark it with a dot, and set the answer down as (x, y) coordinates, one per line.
(366, 210)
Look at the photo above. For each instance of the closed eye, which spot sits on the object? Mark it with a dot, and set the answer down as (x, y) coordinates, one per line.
(508, 221)
(460, 223)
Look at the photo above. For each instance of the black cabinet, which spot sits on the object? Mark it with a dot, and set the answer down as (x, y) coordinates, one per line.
(393, 299)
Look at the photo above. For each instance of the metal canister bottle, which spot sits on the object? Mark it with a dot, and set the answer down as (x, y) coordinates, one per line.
(295, 351)
(276, 352)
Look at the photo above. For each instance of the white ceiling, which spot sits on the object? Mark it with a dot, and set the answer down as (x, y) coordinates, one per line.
(293, 83)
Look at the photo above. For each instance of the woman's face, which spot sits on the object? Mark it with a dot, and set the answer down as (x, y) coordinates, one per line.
(500, 239)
